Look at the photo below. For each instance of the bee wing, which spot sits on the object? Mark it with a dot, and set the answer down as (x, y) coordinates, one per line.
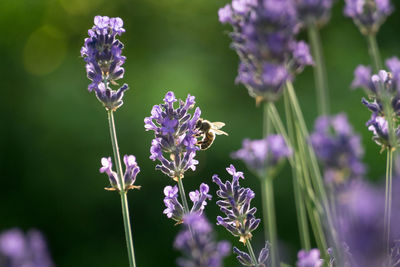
(219, 132)
(217, 125)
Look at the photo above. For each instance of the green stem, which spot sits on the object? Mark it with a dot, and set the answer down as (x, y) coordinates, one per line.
(296, 173)
(388, 196)
(183, 196)
(123, 192)
(374, 52)
(268, 204)
(320, 75)
(251, 252)
(269, 217)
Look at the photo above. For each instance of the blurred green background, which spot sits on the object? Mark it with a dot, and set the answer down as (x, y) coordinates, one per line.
(54, 132)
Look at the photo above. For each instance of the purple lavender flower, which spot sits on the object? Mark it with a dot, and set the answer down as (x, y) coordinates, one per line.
(245, 259)
(362, 77)
(313, 11)
(131, 171)
(235, 203)
(102, 54)
(262, 154)
(174, 208)
(264, 39)
(200, 248)
(368, 15)
(379, 127)
(310, 258)
(338, 148)
(360, 225)
(174, 144)
(18, 249)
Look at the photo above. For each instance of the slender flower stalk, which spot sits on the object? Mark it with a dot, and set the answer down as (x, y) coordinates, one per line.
(123, 192)
(374, 53)
(388, 198)
(298, 184)
(320, 75)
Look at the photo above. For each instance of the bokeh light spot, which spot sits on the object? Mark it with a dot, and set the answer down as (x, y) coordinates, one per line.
(45, 50)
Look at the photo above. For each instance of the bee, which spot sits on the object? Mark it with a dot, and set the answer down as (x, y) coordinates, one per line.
(207, 131)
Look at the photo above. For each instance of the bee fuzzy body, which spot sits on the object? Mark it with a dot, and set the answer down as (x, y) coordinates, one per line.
(207, 131)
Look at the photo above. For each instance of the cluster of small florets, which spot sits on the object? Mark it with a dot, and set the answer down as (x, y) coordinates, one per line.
(368, 15)
(338, 148)
(381, 87)
(260, 155)
(103, 55)
(198, 244)
(174, 208)
(129, 178)
(264, 39)
(235, 203)
(174, 144)
(18, 249)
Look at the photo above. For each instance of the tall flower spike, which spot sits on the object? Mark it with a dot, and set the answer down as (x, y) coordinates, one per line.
(338, 148)
(368, 15)
(131, 171)
(235, 203)
(262, 154)
(174, 145)
(200, 248)
(264, 39)
(310, 258)
(102, 54)
(174, 208)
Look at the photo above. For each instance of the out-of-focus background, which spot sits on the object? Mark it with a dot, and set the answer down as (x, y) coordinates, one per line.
(54, 132)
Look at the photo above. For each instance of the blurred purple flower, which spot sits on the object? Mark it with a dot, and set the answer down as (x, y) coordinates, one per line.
(174, 131)
(360, 213)
(235, 203)
(200, 248)
(313, 11)
(102, 54)
(20, 250)
(264, 38)
(368, 15)
(131, 171)
(310, 258)
(259, 155)
(338, 148)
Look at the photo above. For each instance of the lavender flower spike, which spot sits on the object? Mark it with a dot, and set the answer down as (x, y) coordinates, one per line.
(264, 38)
(245, 258)
(235, 203)
(262, 154)
(200, 248)
(174, 208)
(131, 171)
(368, 15)
(309, 258)
(102, 54)
(174, 143)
